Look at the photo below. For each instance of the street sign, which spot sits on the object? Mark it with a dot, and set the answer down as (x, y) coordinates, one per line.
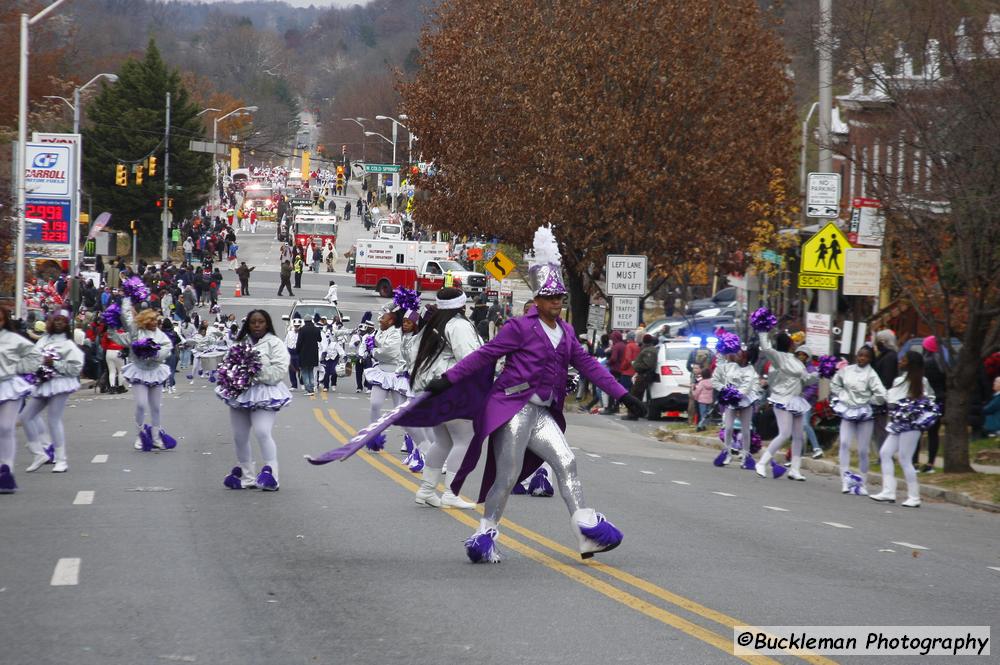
(49, 169)
(624, 313)
(625, 275)
(867, 222)
(823, 195)
(862, 271)
(771, 256)
(595, 317)
(208, 146)
(824, 252)
(499, 266)
(809, 280)
(818, 333)
(382, 168)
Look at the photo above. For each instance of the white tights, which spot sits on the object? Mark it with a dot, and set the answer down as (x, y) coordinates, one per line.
(451, 440)
(861, 432)
(8, 429)
(789, 425)
(31, 419)
(147, 398)
(905, 444)
(260, 422)
(379, 396)
(115, 364)
(746, 425)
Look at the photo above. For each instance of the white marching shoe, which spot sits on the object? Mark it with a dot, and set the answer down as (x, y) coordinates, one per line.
(795, 474)
(427, 494)
(41, 458)
(450, 500)
(61, 466)
(911, 502)
(845, 485)
(761, 467)
(884, 497)
(594, 532)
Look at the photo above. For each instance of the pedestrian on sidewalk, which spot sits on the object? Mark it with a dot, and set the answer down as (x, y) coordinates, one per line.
(286, 278)
(331, 351)
(297, 267)
(644, 367)
(330, 256)
(256, 408)
(856, 391)
(307, 349)
(935, 369)
(243, 273)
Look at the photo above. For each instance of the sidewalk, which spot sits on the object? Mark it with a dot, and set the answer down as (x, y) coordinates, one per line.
(826, 467)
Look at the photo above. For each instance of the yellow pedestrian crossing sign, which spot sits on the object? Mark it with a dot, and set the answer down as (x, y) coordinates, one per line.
(824, 253)
(499, 266)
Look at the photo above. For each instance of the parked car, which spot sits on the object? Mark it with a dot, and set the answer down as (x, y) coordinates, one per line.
(306, 309)
(670, 394)
(722, 298)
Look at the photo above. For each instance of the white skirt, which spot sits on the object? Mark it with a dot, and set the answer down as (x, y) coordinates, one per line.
(376, 376)
(14, 388)
(60, 385)
(853, 413)
(155, 376)
(403, 386)
(258, 396)
(796, 406)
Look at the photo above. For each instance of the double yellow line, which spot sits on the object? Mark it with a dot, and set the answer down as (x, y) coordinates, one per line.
(581, 572)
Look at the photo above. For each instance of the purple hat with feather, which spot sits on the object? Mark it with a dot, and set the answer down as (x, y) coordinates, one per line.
(545, 275)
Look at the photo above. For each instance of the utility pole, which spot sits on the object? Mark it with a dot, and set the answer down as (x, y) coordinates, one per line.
(827, 300)
(164, 250)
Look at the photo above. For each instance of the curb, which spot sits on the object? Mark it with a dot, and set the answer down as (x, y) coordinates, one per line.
(831, 469)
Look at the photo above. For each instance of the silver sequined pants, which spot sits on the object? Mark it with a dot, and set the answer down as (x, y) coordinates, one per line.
(532, 428)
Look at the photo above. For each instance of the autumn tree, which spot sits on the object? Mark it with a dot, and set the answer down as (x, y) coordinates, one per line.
(933, 71)
(636, 128)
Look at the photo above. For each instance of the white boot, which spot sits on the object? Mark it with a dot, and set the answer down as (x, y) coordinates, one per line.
(249, 479)
(61, 465)
(761, 466)
(794, 473)
(912, 496)
(888, 493)
(845, 484)
(449, 500)
(40, 459)
(594, 532)
(427, 494)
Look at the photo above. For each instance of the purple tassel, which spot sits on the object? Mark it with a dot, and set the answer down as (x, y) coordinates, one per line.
(135, 289)
(112, 316)
(265, 479)
(777, 470)
(169, 442)
(190, 377)
(720, 460)
(145, 349)
(481, 547)
(415, 461)
(755, 442)
(237, 371)
(828, 366)
(763, 320)
(749, 463)
(408, 440)
(50, 450)
(604, 533)
(540, 485)
(406, 299)
(376, 444)
(234, 480)
(7, 484)
(519, 489)
(146, 436)
(728, 343)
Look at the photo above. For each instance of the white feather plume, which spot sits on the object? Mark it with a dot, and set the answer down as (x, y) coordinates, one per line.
(546, 248)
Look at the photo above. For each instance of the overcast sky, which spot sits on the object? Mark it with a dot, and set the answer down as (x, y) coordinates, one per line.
(318, 3)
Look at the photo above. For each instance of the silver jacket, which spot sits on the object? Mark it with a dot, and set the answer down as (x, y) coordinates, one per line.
(135, 333)
(788, 376)
(855, 385)
(461, 339)
(388, 354)
(901, 387)
(409, 347)
(70, 362)
(18, 355)
(274, 360)
(745, 379)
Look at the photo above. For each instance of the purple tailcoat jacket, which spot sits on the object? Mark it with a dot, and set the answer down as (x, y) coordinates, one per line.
(533, 367)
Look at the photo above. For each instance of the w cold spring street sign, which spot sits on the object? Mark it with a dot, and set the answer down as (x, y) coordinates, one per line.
(823, 195)
(625, 275)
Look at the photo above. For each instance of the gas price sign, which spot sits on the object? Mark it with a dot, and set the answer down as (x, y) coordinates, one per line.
(55, 213)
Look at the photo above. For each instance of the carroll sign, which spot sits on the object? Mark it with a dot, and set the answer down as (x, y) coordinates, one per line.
(48, 169)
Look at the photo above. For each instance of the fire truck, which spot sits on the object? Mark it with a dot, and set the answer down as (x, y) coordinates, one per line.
(383, 265)
(317, 227)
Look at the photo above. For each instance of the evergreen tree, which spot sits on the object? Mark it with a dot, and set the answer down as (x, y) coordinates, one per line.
(126, 125)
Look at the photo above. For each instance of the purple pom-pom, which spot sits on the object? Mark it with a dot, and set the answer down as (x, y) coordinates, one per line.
(169, 442)
(730, 396)
(604, 533)
(415, 461)
(146, 437)
(145, 349)
(408, 443)
(376, 444)
(720, 460)
(112, 316)
(763, 320)
(406, 299)
(907, 415)
(519, 489)
(755, 443)
(749, 463)
(481, 547)
(828, 366)
(237, 371)
(50, 450)
(234, 480)
(728, 343)
(369, 343)
(135, 289)
(777, 470)
(540, 485)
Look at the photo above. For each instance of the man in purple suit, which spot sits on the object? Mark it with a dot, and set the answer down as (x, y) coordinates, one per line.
(522, 415)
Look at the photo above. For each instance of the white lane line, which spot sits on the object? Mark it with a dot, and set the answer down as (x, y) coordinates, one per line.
(678, 482)
(592, 455)
(119, 433)
(910, 545)
(780, 510)
(99, 459)
(648, 473)
(84, 498)
(723, 493)
(838, 525)
(66, 573)
(619, 463)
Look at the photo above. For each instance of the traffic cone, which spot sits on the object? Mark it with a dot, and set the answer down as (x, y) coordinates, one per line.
(236, 293)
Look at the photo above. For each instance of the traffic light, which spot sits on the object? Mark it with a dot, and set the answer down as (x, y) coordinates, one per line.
(121, 177)
(152, 166)
(170, 203)
(138, 174)
(134, 224)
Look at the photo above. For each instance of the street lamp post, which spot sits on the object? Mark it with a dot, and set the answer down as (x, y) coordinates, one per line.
(388, 140)
(215, 132)
(357, 121)
(395, 125)
(22, 138)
